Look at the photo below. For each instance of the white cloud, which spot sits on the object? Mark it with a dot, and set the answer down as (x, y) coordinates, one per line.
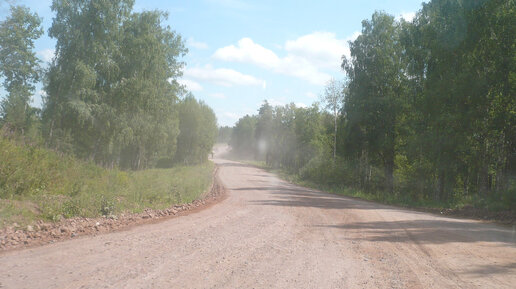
(196, 44)
(190, 84)
(46, 54)
(38, 98)
(218, 95)
(323, 49)
(231, 115)
(249, 52)
(302, 68)
(307, 57)
(42, 93)
(230, 118)
(275, 102)
(311, 94)
(222, 76)
(408, 16)
(300, 104)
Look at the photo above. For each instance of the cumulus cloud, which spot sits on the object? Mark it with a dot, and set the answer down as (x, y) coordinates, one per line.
(311, 94)
(275, 102)
(222, 76)
(196, 44)
(229, 118)
(323, 49)
(46, 54)
(38, 98)
(231, 115)
(307, 57)
(190, 85)
(42, 93)
(249, 52)
(408, 16)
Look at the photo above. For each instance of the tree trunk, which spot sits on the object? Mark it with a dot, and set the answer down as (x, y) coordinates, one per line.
(389, 166)
(335, 134)
(389, 174)
(51, 131)
(440, 186)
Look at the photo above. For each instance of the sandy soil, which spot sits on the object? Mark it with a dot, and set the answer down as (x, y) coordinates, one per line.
(271, 234)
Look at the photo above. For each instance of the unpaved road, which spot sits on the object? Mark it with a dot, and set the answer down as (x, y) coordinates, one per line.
(271, 234)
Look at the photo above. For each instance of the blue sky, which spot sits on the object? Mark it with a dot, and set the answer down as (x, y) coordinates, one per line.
(243, 52)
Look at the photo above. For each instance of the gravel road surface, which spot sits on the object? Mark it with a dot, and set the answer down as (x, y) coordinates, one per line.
(270, 234)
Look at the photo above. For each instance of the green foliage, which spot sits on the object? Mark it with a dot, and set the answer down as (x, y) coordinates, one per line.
(107, 206)
(375, 86)
(242, 139)
(333, 99)
(20, 68)
(428, 118)
(112, 87)
(224, 135)
(37, 183)
(455, 131)
(198, 131)
(284, 137)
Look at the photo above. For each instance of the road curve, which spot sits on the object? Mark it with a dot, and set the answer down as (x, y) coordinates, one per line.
(271, 234)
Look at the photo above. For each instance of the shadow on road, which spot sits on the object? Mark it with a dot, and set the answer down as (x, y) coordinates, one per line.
(420, 228)
(234, 164)
(300, 197)
(490, 269)
(437, 231)
(421, 231)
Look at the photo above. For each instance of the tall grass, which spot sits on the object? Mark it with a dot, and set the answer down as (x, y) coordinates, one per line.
(36, 183)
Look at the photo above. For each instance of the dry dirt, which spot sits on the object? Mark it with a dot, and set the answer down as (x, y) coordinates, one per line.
(271, 234)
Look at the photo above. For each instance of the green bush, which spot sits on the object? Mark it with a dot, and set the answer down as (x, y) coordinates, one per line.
(58, 186)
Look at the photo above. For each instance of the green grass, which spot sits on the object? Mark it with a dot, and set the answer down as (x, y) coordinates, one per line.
(396, 199)
(36, 183)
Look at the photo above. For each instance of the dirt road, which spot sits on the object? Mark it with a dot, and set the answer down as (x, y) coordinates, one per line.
(271, 234)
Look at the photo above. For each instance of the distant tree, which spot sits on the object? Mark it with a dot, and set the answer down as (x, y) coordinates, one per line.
(310, 133)
(19, 66)
(263, 133)
(243, 137)
(224, 134)
(198, 131)
(429, 111)
(333, 99)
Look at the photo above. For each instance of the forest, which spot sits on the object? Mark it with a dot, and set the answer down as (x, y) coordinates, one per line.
(116, 132)
(112, 95)
(426, 112)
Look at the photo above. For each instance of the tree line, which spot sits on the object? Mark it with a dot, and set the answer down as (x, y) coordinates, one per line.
(427, 110)
(112, 94)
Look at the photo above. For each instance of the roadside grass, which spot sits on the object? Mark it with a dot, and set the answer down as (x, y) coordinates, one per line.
(470, 206)
(39, 184)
